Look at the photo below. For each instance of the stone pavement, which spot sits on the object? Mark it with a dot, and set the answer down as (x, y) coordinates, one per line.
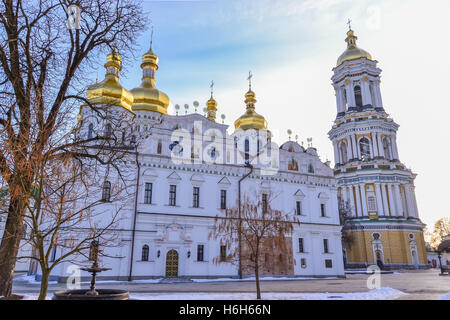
(419, 285)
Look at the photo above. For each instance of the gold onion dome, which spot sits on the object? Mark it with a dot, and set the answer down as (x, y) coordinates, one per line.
(352, 52)
(146, 96)
(250, 119)
(211, 108)
(109, 91)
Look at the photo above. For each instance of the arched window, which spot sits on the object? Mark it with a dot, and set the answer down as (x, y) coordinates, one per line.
(158, 150)
(387, 148)
(291, 148)
(358, 97)
(108, 130)
(145, 250)
(133, 139)
(344, 156)
(310, 168)
(106, 192)
(91, 131)
(247, 149)
(364, 147)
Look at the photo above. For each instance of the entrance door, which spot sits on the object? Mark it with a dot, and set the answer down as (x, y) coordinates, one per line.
(172, 264)
(415, 261)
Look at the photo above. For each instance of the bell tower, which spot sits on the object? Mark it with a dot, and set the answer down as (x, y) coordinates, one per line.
(375, 186)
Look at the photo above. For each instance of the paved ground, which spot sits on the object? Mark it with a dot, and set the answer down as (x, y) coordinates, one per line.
(417, 284)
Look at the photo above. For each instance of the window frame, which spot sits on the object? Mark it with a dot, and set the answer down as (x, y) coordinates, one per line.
(148, 193)
(223, 199)
(200, 252)
(173, 195)
(196, 197)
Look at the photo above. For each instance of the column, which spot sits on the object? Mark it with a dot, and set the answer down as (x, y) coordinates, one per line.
(340, 101)
(394, 147)
(380, 145)
(349, 149)
(413, 193)
(363, 199)
(358, 150)
(379, 200)
(336, 152)
(375, 144)
(378, 95)
(385, 200)
(349, 191)
(372, 155)
(350, 94)
(355, 152)
(365, 91)
(409, 201)
(358, 201)
(392, 204)
(399, 201)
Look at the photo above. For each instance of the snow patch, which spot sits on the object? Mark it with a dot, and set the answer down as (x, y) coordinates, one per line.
(444, 297)
(376, 294)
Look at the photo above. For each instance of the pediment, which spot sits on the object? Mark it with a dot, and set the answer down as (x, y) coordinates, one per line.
(299, 194)
(224, 182)
(174, 177)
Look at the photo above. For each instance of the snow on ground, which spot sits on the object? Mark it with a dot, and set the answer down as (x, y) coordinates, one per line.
(376, 294)
(444, 297)
(31, 279)
(261, 279)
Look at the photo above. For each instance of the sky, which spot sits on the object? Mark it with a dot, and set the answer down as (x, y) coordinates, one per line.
(291, 46)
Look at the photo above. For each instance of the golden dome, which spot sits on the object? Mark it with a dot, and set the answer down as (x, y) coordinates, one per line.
(146, 96)
(109, 91)
(211, 108)
(352, 52)
(250, 119)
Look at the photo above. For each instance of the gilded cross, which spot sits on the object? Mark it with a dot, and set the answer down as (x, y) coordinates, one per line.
(250, 76)
(349, 24)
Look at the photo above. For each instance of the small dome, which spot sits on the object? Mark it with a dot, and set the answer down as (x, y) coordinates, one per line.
(352, 52)
(109, 91)
(250, 119)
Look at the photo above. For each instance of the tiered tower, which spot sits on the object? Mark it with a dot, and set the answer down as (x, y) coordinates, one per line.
(375, 185)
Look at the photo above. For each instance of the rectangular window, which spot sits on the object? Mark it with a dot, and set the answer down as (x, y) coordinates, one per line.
(325, 245)
(196, 197)
(223, 253)
(328, 263)
(299, 208)
(300, 245)
(264, 202)
(148, 193)
(322, 209)
(200, 248)
(223, 199)
(173, 195)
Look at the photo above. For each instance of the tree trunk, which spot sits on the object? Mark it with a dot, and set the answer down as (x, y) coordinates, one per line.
(44, 283)
(258, 289)
(9, 247)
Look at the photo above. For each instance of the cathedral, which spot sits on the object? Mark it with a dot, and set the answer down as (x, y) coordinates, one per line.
(181, 184)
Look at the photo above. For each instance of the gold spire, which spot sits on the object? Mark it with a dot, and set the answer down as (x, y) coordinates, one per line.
(352, 52)
(109, 91)
(146, 96)
(211, 105)
(250, 119)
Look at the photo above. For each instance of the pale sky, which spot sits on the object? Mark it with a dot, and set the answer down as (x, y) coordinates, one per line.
(291, 47)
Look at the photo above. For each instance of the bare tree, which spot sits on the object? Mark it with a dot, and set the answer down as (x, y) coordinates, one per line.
(259, 226)
(345, 213)
(441, 229)
(43, 75)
